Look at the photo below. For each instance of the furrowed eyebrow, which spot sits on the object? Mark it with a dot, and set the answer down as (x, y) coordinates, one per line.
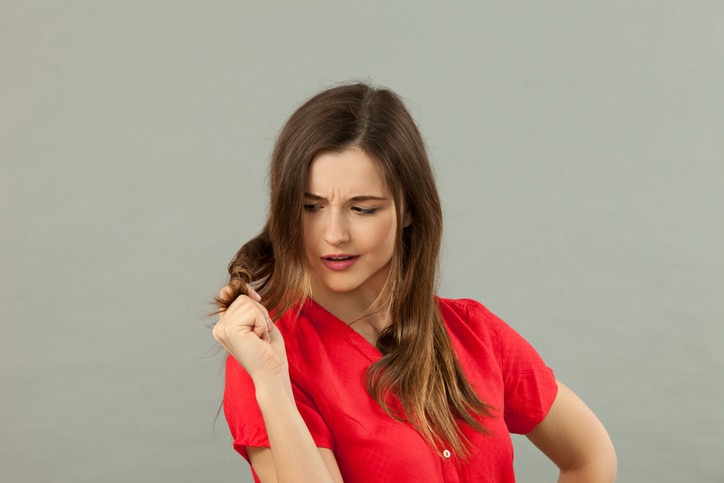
(367, 198)
(354, 199)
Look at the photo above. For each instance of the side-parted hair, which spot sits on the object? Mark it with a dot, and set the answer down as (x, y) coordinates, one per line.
(418, 379)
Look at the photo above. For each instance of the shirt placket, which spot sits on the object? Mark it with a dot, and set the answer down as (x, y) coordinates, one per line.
(450, 469)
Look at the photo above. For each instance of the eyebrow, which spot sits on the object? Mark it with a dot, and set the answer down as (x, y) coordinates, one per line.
(354, 199)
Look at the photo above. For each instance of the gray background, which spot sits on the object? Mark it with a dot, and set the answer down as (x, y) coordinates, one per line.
(579, 153)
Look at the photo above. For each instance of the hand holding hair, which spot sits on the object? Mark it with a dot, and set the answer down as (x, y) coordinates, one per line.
(247, 332)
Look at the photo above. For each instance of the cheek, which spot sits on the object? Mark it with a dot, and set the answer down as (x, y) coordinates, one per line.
(384, 236)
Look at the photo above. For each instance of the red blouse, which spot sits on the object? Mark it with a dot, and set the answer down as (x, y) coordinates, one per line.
(327, 364)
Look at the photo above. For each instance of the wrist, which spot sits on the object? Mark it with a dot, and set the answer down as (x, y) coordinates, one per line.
(273, 389)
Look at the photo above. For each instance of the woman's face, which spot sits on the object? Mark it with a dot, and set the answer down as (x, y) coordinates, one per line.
(350, 225)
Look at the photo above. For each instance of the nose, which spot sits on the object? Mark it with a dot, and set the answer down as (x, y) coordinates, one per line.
(336, 232)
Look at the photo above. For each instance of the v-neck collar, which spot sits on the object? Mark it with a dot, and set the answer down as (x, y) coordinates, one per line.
(318, 314)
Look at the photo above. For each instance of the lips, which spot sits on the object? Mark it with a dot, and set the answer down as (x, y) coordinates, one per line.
(339, 262)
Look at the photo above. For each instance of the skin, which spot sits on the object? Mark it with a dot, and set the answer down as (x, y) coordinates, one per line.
(575, 440)
(349, 210)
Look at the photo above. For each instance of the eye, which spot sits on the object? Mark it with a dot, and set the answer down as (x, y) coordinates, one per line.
(311, 207)
(364, 211)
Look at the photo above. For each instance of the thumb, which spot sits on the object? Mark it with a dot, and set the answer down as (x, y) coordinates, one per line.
(253, 293)
(275, 337)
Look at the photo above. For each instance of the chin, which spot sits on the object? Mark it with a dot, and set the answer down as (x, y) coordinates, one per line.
(341, 288)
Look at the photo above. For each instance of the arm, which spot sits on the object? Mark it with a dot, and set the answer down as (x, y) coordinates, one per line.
(575, 440)
(293, 456)
(247, 333)
(263, 463)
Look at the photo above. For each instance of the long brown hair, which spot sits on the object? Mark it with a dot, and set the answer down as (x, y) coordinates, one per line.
(418, 368)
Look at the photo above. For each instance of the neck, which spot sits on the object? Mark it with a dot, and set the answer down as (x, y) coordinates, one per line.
(356, 310)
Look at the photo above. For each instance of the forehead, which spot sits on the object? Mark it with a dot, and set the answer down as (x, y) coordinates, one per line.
(350, 173)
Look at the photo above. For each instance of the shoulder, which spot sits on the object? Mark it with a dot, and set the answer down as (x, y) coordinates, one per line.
(471, 323)
(467, 320)
(458, 305)
(468, 312)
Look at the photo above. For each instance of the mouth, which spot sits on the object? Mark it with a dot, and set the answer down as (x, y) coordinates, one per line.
(339, 262)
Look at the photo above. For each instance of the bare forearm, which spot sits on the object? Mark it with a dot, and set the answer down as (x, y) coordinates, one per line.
(576, 441)
(296, 456)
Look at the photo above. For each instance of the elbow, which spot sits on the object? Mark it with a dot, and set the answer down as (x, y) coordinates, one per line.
(599, 467)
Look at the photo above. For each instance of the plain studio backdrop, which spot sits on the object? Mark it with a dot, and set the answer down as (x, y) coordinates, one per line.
(579, 150)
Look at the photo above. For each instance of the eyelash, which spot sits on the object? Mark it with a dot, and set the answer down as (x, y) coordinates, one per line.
(357, 209)
(364, 211)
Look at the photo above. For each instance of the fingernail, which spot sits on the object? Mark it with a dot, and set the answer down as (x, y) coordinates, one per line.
(254, 294)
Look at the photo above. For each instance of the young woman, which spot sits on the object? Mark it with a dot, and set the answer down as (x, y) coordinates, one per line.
(366, 375)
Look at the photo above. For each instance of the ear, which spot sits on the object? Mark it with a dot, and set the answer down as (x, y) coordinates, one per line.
(406, 219)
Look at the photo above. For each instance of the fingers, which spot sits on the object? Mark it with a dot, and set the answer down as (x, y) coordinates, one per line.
(267, 332)
(274, 336)
(244, 315)
(253, 293)
(225, 292)
(261, 325)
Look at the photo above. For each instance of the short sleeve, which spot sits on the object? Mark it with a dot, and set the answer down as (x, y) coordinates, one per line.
(241, 410)
(244, 417)
(530, 385)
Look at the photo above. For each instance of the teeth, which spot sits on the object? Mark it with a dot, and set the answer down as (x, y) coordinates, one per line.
(338, 258)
